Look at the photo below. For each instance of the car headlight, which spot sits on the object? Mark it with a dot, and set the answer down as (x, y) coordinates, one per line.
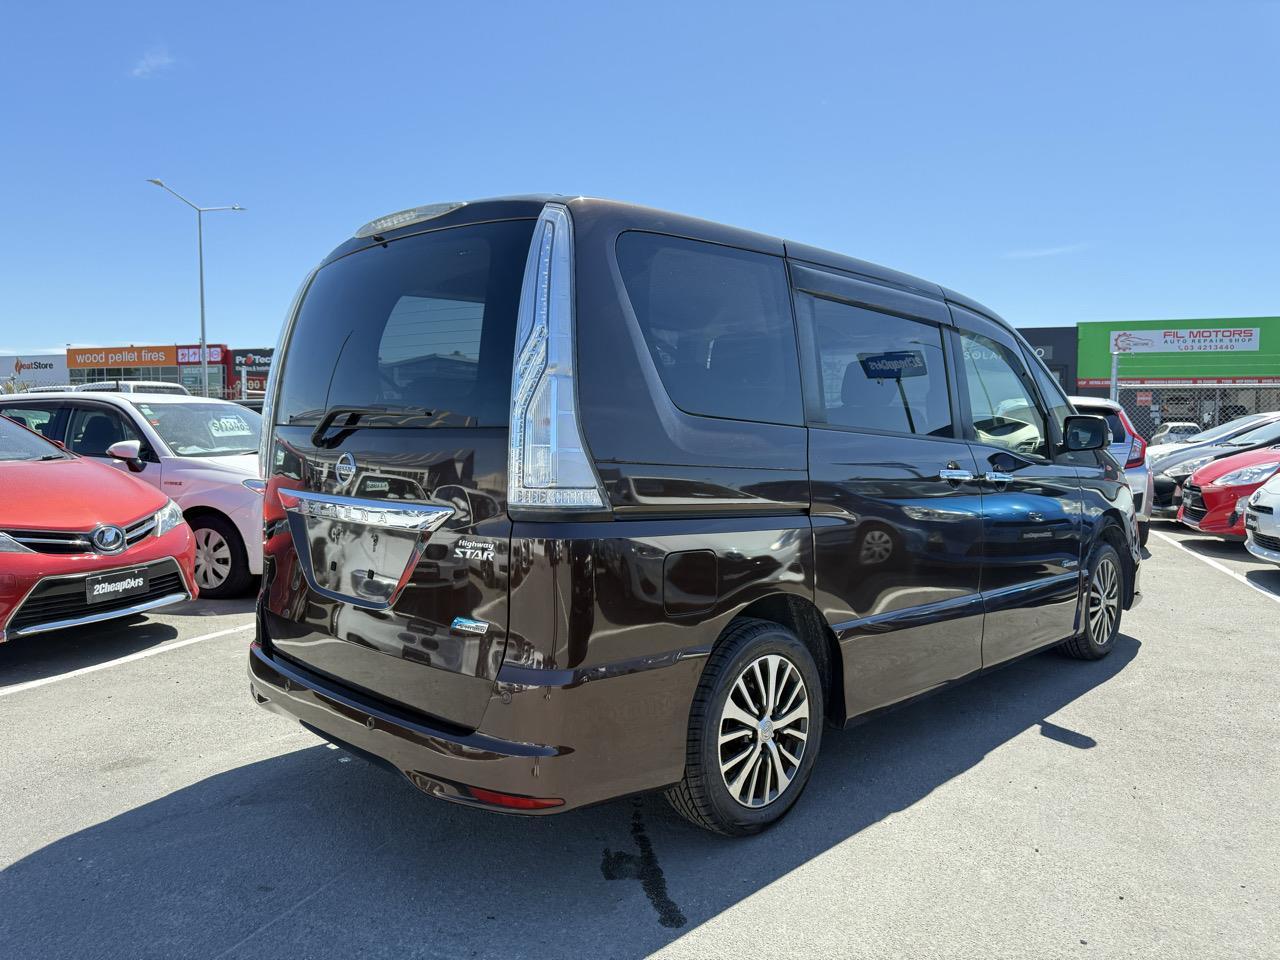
(10, 545)
(254, 484)
(1246, 475)
(1187, 467)
(169, 517)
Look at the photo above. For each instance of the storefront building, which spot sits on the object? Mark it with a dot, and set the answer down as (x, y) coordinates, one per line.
(249, 369)
(1056, 346)
(1210, 352)
(1202, 371)
(24, 371)
(168, 363)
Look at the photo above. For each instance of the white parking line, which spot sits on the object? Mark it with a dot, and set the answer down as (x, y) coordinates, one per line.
(141, 654)
(1216, 565)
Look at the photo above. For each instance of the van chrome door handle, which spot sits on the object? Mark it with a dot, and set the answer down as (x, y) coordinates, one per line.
(996, 476)
(954, 476)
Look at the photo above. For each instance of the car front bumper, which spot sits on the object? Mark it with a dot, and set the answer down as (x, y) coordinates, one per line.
(1264, 535)
(35, 595)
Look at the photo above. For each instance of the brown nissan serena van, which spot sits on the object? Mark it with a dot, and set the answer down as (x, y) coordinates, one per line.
(568, 499)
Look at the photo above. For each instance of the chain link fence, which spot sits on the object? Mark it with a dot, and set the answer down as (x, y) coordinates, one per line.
(1150, 407)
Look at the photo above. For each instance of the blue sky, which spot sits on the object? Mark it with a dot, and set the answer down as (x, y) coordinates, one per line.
(1058, 162)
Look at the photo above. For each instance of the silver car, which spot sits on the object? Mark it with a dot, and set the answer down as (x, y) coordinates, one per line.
(1262, 522)
(1131, 450)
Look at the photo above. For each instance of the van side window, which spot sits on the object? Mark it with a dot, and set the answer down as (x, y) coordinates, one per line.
(1005, 413)
(717, 322)
(1050, 392)
(878, 371)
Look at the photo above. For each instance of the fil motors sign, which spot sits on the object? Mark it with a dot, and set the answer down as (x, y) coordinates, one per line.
(1187, 340)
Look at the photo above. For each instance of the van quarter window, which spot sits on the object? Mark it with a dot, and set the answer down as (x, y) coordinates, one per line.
(878, 371)
(718, 326)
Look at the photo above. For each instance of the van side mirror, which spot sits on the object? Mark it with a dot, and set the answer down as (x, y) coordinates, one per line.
(1081, 432)
(130, 451)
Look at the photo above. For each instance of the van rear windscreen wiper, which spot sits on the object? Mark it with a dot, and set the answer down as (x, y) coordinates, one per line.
(355, 414)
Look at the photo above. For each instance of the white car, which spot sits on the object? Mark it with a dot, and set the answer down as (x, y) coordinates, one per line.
(1262, 522)
(202, 453)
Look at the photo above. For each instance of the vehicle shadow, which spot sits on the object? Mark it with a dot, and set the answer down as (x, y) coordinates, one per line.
(61, 651)
(312, 853)
(48, 654)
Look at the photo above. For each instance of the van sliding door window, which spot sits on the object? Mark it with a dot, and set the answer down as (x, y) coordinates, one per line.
(877, 371)
(718, 326)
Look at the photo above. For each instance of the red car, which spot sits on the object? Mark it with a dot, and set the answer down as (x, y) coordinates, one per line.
(1213, 497)
(81, 542)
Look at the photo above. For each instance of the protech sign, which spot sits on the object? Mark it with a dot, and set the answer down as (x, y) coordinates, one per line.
(1187, 340)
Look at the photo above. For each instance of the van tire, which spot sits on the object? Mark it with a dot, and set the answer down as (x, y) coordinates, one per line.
(703, 797)
(1105, 587)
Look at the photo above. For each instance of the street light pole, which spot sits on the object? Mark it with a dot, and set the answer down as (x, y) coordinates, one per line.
(200, 212)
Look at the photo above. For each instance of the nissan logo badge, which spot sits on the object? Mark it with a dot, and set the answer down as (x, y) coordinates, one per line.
(345, 469)
(108, 539)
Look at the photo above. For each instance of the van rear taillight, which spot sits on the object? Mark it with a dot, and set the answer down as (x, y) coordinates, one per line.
(548, 464)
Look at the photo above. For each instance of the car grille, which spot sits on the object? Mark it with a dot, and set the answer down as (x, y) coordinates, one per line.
(63, 541)
(63, 598)
(1193, 507)
(1261, 508)
(1262, 540)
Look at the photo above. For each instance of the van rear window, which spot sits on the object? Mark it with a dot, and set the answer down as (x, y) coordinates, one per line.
(717, 322)
(424, 325)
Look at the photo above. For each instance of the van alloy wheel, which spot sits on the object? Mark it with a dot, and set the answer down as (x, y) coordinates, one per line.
(1104, 601)
(213, 558)
(764, 727)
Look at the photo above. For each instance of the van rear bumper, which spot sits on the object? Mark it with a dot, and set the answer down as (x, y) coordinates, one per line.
(482, 770)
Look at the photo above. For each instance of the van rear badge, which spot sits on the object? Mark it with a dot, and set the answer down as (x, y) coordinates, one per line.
(467, 625)
(344, 469)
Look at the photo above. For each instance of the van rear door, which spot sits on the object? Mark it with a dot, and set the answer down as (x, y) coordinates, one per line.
(387, 530)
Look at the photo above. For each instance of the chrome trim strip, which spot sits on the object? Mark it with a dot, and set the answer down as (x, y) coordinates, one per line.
(419, 519)
(424, 518)
(166, 600)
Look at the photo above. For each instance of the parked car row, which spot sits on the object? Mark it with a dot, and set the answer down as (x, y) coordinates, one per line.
(81, 542)
(200, 453)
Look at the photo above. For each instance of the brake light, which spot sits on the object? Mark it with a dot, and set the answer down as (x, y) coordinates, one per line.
(1137, 446)
(514, 802)
(548, 464)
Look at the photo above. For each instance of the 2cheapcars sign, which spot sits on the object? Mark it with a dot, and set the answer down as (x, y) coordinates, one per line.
(1187, 340)
(1236, 350)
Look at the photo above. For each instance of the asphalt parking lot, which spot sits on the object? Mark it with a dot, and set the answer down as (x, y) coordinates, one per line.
(1124, 808)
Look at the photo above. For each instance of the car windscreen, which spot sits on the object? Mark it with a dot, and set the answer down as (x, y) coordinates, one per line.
(422, 327)
(1268, 433)
(203, 429)
(19, 445)
(1225, 429)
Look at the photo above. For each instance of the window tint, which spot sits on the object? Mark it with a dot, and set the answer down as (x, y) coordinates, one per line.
(94, 429)
(1004, 412)
(717, 322)
(878, 371)
(425, 323)
(39, 419)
